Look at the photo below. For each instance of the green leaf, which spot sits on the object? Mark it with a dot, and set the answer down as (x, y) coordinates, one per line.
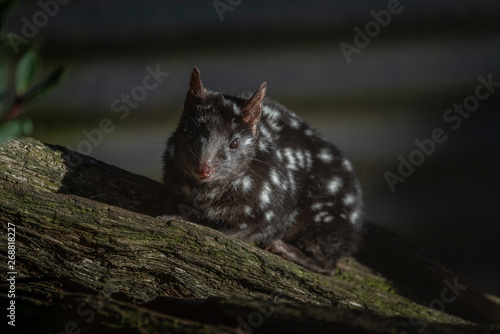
(52, 81)
(27, 70)
(17, 127)
(26, 126)
(11, 129)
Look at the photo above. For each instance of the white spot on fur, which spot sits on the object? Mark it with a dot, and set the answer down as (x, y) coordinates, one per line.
(317, 206)
(294, 123)
(237, 183)
(309, 132)
(325, 155)
(264, 131)
(273, 118)
(274, 177)
(301, 159)
(216, 213)
(347, 165)
(278, 155)
(292, 181)
(328, 219)
(263, 147)
(308, 160)
(272, 113)
(355, 215)
(248, 210)
(247, 183)
(319, 216)
(265, 195)
(292, 218)
(248, 141)
(334, 185)
(243, 226)
(234, 125)
(349, 199)
(214, 193)
(269, 215)
(274, 125)
(236, 110)
(291, 159)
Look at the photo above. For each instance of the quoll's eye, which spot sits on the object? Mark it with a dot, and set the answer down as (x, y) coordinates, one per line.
(235, 143)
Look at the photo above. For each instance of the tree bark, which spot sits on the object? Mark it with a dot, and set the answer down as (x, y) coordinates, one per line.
(90, 255)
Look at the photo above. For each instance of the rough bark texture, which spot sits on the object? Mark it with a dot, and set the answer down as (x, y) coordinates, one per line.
(90, 255)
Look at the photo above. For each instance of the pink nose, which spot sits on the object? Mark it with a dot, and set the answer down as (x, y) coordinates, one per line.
(204, 170)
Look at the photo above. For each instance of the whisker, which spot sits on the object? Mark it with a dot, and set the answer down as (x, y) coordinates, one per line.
(258, 160)
(186, 142)
(259, 176)
(194, 121)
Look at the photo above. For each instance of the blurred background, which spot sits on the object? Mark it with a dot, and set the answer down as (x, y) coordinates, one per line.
(394, 89)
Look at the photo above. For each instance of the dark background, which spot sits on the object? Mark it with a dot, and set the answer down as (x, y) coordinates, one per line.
(394, 91)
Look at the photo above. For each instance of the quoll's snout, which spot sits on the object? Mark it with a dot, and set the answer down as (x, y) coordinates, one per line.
(204, 171)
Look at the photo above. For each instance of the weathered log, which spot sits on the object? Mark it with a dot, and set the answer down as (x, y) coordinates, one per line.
(86, 233)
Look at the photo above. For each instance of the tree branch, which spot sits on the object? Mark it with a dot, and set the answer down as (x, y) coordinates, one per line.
(85, 231)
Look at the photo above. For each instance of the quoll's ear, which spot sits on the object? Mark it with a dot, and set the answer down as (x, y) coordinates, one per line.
(253, 107)
(196, 88)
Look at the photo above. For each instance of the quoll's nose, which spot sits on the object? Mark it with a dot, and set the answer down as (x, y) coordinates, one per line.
(204, 170)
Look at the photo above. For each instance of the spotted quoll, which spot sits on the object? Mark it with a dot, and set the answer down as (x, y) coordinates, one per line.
(250, 168)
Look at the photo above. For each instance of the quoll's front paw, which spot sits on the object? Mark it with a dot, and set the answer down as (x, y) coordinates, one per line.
(292, 253)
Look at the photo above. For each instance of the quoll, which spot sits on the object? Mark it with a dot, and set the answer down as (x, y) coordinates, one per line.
(252, 169)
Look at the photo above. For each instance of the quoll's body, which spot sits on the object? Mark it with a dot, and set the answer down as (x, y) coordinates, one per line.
(249, 167)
